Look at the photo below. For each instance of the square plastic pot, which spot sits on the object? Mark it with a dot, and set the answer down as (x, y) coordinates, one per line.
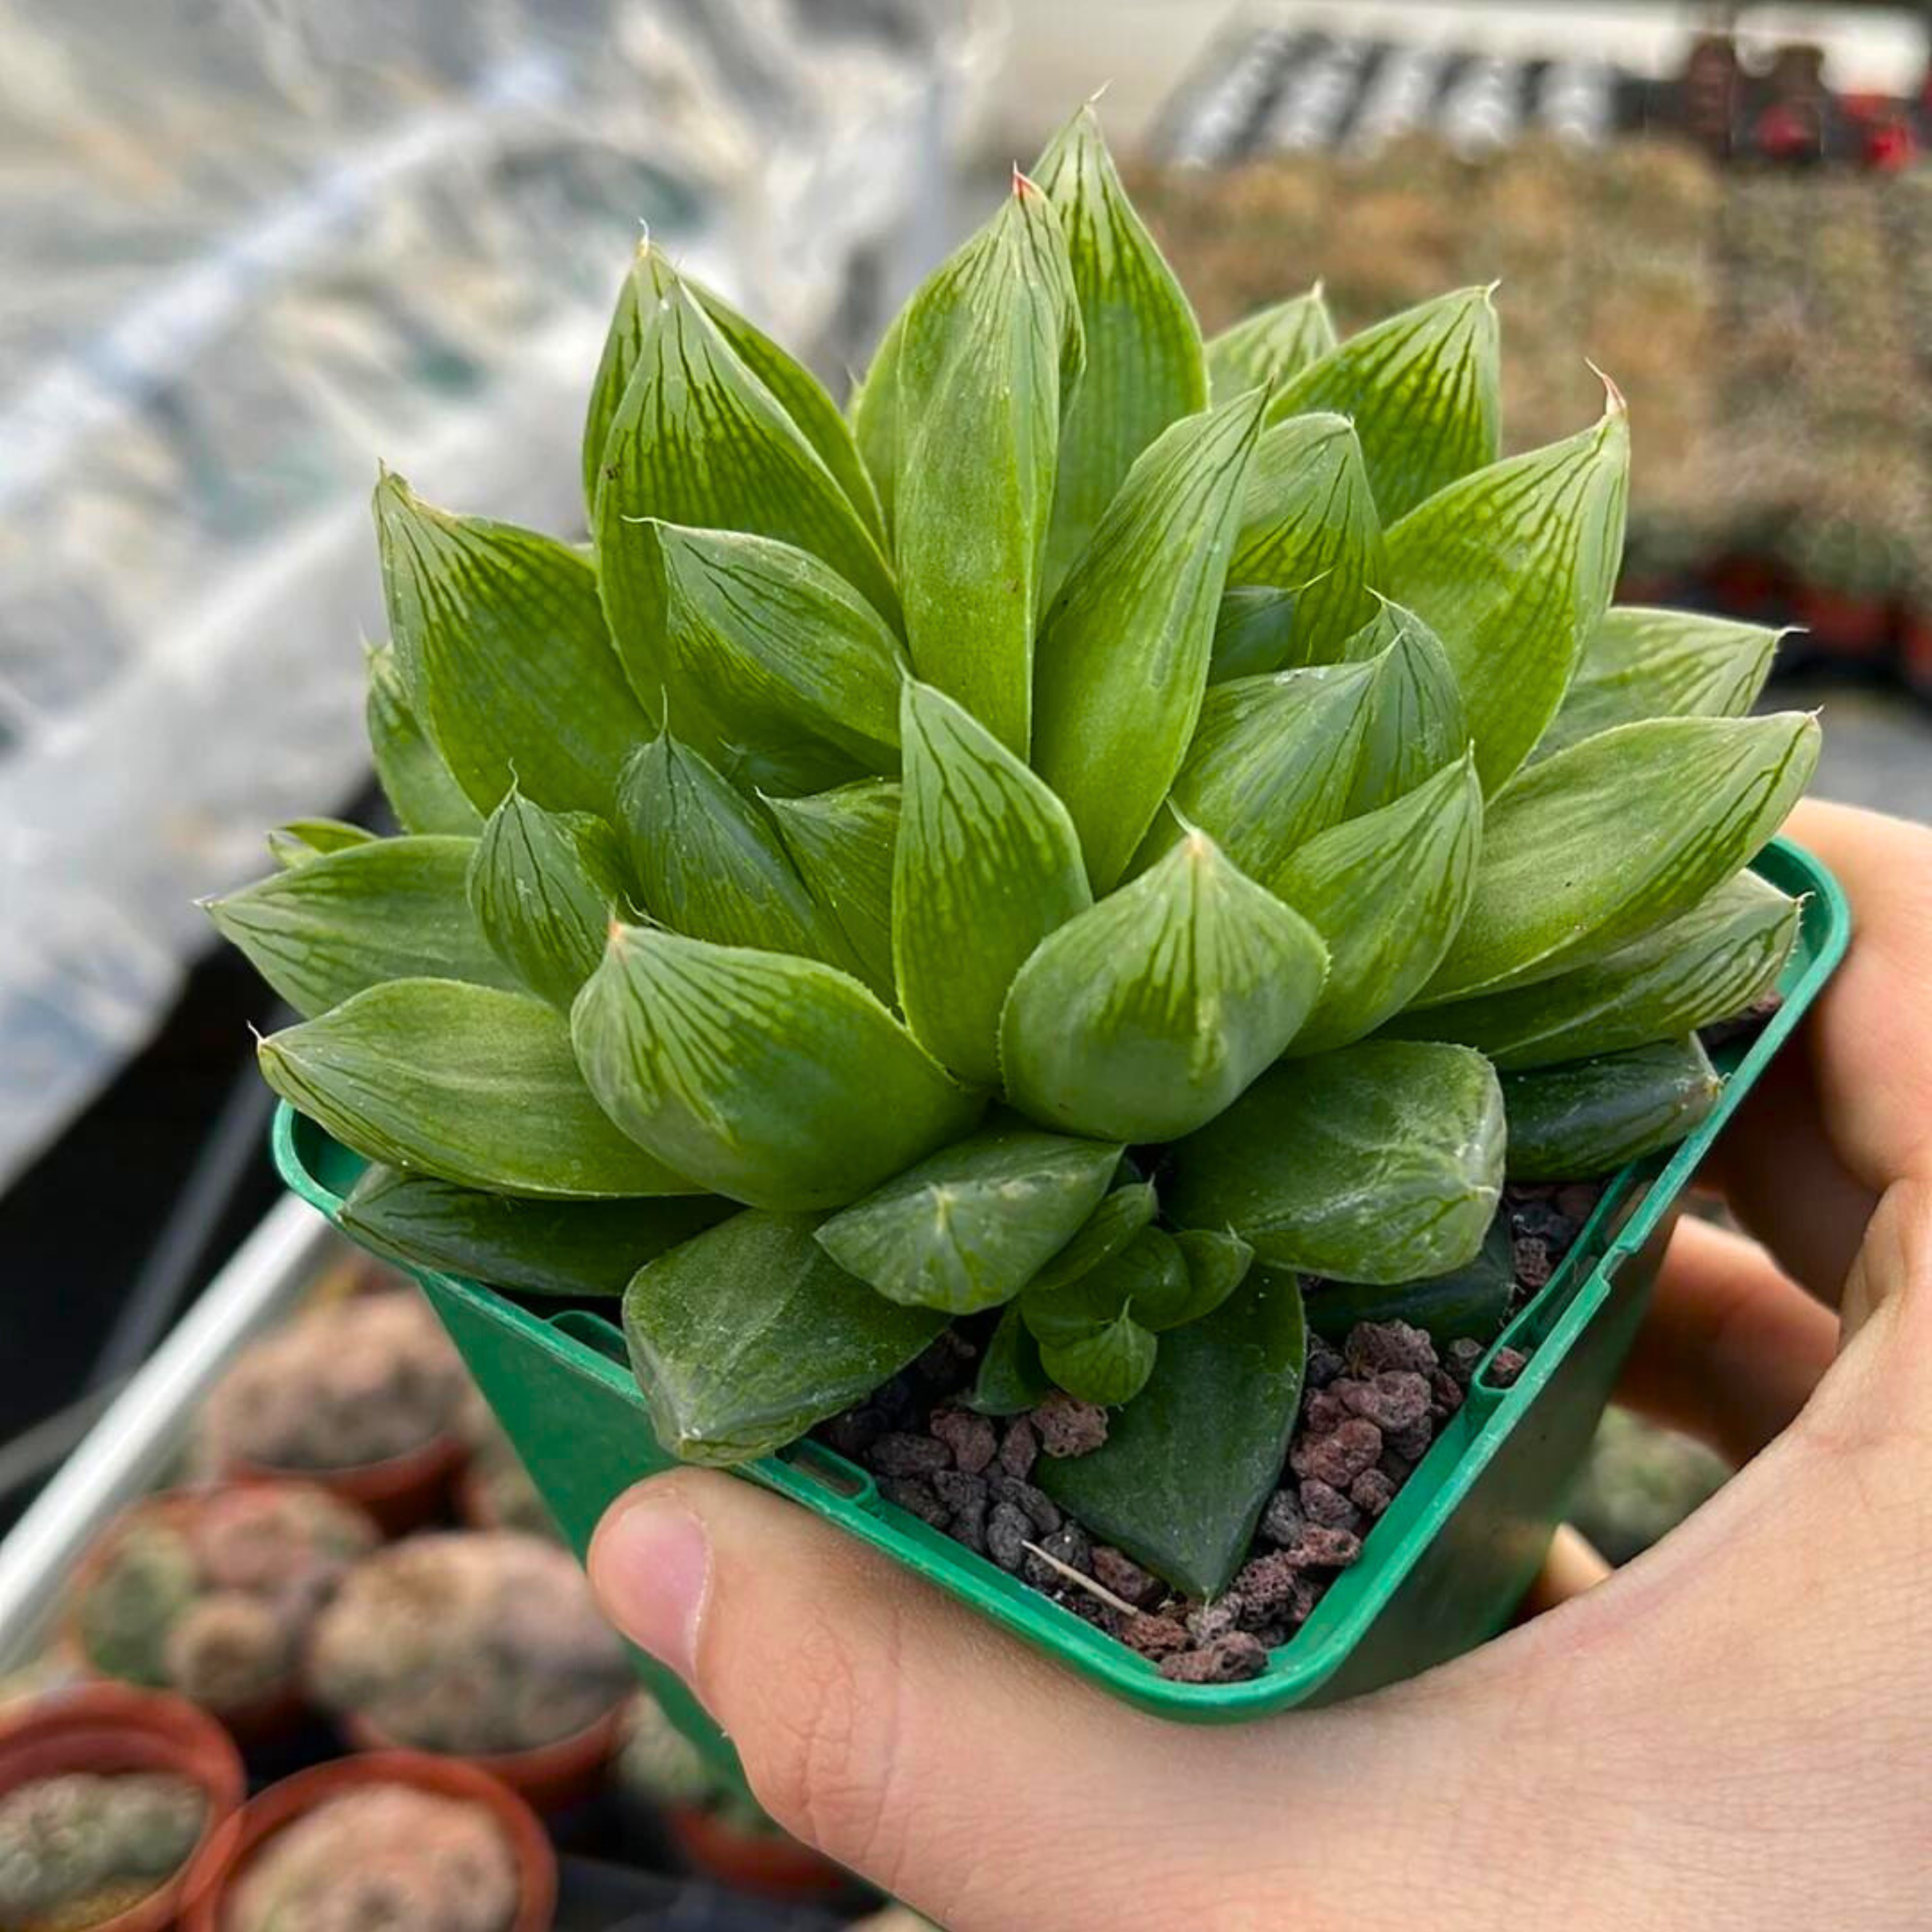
(1441, 1570)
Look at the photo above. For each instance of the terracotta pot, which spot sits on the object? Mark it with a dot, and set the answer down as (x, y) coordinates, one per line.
(211, 1879)
(109, 1727)
(402, 1492)
(549, 1778)
(768, 1863)
(267, 1719)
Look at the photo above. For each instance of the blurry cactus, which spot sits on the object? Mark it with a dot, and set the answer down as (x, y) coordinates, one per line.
(657, 1763)
(356, 1382)
(1639, 1482)
(133, 1600)
(656, 1760)
(385, 1856)
(1054, 783)
(228, 1651)
(284, 1541)
(468, 1643)
(78, 1848)
(212, 1596)
(497, 1492)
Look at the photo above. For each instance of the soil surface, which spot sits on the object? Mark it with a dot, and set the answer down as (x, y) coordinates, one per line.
(1372, 1403)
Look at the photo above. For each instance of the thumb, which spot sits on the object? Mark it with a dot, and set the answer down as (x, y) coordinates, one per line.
(903, 1738)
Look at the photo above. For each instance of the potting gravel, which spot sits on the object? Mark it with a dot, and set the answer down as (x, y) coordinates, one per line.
(1371, 1406)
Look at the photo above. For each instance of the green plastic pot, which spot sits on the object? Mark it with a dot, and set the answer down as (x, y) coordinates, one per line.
(1441, 1571)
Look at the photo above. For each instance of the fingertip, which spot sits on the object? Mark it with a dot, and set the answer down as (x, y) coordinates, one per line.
(649, 1566)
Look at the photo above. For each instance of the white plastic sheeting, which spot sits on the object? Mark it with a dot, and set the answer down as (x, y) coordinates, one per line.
(252, 246)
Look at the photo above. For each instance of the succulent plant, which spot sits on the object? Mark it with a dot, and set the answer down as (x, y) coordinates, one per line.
(1063, 837)
(384, 1855)
(212, 1596)
(470, 1642)
(353, 1382)
(77, 1849)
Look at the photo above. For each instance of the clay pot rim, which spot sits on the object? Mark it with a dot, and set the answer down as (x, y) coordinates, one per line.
(268, 1716)
(94, 1725)
(444, 1450)
(532, 1769)
(211, 1876)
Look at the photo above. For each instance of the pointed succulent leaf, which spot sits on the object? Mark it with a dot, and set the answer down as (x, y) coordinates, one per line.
(387, 909)
(989, 863)
(1011, 1379)
(1379, 1163)
(1180, 1483)
(802, 396)
(1143, 1017)
(1387, 892)
(1147, 1278)
(967, 1228)
(1590, 1117)
(543, 886)
(698, 439)
(989, 349)
(1601, 844)
(502, 645)
(415, 780)
(1122, 662)
(1109, 1229)
(747, 1334)
(1415, 723)
(1642, 663)
(876, 420)
(1511, 567)
(1254, 633)
(1106, 1364)
(777, 1080)
(1472, 1301)
(1711, 962)
(466, 1083)
(530, 1247)
(1270, 347)
(1422, 390)
(1309, 526)
(1273, 762)
(710, 864)
(302, 839)
(842, 842)
(1218, 1262)
(1164, 1281)
(1144, 368)
(772, 644)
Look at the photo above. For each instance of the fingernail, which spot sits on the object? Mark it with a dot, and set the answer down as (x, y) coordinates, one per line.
(650, 1567)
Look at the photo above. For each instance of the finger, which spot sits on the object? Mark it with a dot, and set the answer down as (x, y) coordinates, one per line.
(1869, 1039)
(1776, 1170)
(1572, 1564)
(879, 1722)
(1731, 1348)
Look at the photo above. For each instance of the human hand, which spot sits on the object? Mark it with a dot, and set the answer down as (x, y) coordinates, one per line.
(1733, 1732)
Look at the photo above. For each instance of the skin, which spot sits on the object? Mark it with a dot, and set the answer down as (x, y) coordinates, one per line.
(1734, 1731)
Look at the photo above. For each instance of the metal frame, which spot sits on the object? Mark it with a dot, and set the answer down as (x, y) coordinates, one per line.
(151, 1418)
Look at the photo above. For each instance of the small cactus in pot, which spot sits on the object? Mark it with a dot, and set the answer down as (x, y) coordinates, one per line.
(381, 1855)
(353, 1383)
(79, 1849)
(210, 1594)
(477, 1644)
